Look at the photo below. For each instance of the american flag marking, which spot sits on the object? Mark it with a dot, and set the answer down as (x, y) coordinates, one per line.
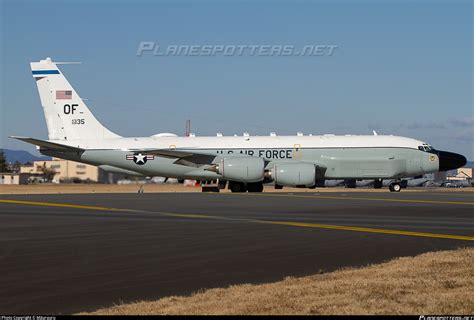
(64, 94)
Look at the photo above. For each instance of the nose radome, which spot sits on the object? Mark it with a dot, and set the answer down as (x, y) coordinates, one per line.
(450, 160)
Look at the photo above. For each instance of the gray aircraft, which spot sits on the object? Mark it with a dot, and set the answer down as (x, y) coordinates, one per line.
(245, 162)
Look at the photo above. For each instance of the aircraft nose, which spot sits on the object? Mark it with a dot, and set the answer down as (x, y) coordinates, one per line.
(450, 160)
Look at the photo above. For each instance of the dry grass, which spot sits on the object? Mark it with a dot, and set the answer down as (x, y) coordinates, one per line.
(156, 188)
(431, 283)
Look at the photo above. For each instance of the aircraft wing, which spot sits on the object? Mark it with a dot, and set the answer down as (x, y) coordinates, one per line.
(186, 158)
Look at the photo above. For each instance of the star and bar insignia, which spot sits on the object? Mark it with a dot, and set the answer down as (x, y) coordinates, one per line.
(139, 158)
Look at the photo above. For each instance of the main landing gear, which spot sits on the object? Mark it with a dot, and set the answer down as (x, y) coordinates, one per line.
(216, 185)
(242, 187)
(255, 187)
(237, 186)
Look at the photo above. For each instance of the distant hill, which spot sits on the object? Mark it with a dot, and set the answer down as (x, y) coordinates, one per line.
(21, 156)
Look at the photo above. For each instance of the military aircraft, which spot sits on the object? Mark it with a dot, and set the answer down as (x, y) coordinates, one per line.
(245, 162)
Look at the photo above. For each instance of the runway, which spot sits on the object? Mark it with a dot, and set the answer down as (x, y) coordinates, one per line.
(68, 253)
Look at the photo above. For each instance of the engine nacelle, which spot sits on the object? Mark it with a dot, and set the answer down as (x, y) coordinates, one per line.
(297, 174)
(242, 169)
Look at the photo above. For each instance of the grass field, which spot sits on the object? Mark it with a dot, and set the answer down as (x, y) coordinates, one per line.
(431, 283)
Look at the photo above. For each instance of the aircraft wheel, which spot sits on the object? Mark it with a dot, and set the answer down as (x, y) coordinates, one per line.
(278, 187)
(395, 187)
(237, 187)
(255, 187)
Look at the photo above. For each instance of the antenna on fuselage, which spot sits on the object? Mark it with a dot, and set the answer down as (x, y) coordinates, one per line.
(188, 128)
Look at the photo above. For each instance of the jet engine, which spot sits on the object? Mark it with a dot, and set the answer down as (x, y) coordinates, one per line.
(241, 169)
(299, 174)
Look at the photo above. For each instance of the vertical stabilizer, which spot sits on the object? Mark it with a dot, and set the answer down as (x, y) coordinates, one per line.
(67, 116)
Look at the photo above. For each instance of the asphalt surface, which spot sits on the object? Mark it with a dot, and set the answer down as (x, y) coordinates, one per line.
(61, 259)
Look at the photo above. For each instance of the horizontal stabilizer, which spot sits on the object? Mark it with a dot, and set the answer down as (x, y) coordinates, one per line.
(48, 145)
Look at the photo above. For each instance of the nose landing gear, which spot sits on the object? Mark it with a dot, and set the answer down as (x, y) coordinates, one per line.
(395, 187)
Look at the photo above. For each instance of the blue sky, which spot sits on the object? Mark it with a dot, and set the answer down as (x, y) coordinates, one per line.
(401, 67)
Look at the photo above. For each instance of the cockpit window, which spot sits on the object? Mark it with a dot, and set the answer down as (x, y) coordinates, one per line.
(426, 148)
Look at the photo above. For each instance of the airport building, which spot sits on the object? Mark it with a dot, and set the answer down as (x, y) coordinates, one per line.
(62, 170)
(461, 174)
(13, 178)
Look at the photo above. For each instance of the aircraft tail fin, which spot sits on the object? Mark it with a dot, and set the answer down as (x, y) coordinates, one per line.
(67, 116)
